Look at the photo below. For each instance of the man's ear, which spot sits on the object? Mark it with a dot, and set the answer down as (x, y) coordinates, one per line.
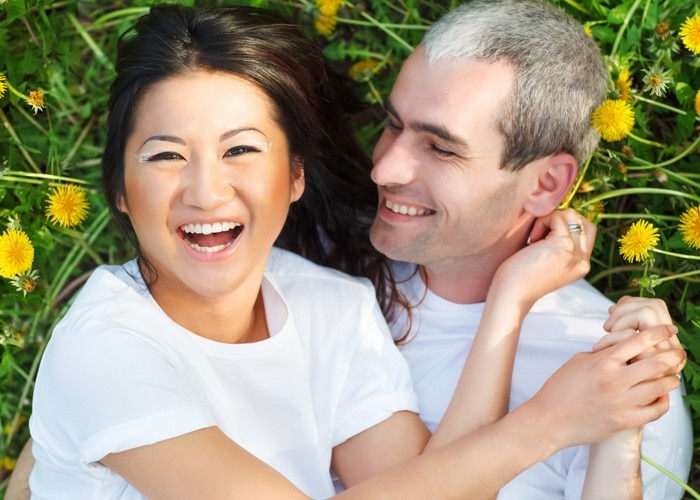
(298, 178)
(552, 179)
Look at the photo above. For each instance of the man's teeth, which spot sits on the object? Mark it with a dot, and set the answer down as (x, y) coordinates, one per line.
(217, 227)
(404, 209)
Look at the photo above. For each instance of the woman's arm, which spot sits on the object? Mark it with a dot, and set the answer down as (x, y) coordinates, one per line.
(589, 398)
(554, 258)
(547, 264)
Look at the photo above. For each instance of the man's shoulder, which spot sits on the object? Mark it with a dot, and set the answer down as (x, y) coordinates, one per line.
(579, 298)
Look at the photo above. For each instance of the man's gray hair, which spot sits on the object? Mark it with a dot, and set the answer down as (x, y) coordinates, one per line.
(560, 77)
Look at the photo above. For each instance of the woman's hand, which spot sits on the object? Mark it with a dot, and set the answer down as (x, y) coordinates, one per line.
(554, 257)
(633, 314)
(594, 395)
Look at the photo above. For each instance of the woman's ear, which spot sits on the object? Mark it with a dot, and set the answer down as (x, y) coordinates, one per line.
(553, 178)
(298, 179)
(121, 204)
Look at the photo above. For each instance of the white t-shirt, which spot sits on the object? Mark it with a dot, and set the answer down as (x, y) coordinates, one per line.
(558, 326)
(118, 374)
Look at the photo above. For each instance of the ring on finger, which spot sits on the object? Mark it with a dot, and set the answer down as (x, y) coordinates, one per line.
(574, 227)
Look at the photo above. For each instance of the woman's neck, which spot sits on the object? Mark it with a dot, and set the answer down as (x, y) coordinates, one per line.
(236, 318)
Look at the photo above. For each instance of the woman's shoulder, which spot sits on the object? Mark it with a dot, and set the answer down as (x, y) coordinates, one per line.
(112, 302)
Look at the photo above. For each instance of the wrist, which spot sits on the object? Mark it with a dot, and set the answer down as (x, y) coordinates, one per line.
(530, 425)
(505, 295)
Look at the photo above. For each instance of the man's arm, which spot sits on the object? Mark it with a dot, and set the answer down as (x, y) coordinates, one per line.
(614, 468)
(614, 464)
(18, 488)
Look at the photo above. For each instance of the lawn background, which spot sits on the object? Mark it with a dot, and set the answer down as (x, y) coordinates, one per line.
(66, 48)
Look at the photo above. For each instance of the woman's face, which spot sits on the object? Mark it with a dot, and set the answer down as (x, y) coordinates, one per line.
(208, 183)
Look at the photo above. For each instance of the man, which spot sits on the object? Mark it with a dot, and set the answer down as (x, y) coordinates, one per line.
(487, 124)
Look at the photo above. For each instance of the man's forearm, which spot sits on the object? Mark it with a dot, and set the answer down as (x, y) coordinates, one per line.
(18, 488)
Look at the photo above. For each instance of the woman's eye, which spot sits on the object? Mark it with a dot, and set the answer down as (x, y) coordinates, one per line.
(240, 150)
(165, 155)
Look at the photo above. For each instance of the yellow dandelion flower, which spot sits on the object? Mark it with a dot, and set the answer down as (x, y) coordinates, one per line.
(36, 100)
(613, 119)
(8, 463)
(697, 103)
(690, 33)
(325, 25)
(67, 205)
(3, 85)
(328, 7)
(16, 253)
(585, 187)
(594, 211)
(690, 227)
(363, 69)
(15, 425)
(587, 30)
(639, 240)
(623, 85)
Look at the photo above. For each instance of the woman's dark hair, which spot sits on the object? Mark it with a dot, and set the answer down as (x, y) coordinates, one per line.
(330, 223)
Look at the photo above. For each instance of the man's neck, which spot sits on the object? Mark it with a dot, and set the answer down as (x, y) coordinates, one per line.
(461, 284)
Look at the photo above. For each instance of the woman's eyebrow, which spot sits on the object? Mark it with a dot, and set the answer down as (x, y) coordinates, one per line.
(236, 131)
(164, 138)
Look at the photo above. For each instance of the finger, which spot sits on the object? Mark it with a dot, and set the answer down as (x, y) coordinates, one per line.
(613, 338)
(636, 344)
(648, 402)
(649, 392)
(539, 230)
(584, 238)
(649, 413)
(665, 347)
(587, 236)
(661, 364)
(647, 312)
(554, 222)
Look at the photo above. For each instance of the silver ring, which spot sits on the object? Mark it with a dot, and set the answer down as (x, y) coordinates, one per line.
(575, 227)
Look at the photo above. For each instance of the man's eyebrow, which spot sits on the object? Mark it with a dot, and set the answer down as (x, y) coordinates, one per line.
(432, 128)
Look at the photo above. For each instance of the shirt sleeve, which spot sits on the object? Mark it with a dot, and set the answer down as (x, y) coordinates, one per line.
(106, 391)
(378, 382)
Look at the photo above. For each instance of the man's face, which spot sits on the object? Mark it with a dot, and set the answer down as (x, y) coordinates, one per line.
(442, 196)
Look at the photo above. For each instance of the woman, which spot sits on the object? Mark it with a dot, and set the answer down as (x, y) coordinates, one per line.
(214, 366)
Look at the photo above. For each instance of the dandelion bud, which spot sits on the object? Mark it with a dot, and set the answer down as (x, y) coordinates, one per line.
(628, 151)
(662, 31)
(660, 175)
